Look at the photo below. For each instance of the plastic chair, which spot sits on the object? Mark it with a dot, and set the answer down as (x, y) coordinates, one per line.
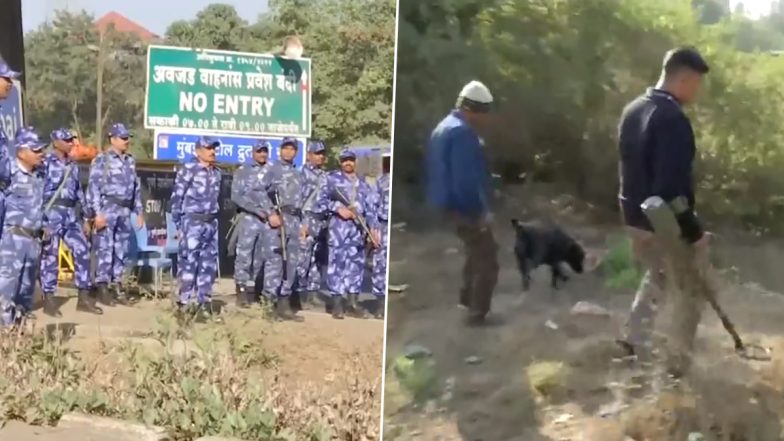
(150, 256)
(172, 244)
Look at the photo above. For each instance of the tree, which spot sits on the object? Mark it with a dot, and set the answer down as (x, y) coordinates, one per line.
(351, 45)
(218, 26)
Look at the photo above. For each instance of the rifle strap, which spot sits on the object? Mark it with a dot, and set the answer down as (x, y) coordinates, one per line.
(57, 192)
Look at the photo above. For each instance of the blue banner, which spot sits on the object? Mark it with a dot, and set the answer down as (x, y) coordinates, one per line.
(233, 150)
(11, 118)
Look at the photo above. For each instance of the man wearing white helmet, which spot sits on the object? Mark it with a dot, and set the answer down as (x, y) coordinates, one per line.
(458, 185)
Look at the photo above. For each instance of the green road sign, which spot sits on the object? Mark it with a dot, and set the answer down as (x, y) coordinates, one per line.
(229, 92)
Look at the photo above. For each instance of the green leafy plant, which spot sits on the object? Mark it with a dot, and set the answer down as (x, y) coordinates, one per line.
(618, 266)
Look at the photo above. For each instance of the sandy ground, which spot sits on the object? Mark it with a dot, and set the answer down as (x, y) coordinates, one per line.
(485, 394)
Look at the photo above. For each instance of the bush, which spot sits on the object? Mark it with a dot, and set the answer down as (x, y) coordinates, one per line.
(561, 72)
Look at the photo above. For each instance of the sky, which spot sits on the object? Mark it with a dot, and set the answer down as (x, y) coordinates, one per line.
(155, 15)
(753, 8)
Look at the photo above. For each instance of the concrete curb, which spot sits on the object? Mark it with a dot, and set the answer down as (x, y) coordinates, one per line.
(133, 430)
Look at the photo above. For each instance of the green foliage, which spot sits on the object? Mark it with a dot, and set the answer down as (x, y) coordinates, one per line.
(561, 72)
(618, 266)
(417, 377)
(351, 44)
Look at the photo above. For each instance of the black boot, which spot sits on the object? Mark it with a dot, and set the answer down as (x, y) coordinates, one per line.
(86, 303)
(380, 304)
(104, 295)
(284, 312)
(296, 302)
(314, 301)
(242, 297)
(50, 306)
(210, 312)
(122, 297)
(182, 313)
(355, 309)
(338, 307)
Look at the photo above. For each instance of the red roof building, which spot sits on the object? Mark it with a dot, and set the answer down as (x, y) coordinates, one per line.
(125, 25)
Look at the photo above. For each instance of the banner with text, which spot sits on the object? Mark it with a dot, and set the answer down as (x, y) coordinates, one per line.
(230, 92)
(172, 146)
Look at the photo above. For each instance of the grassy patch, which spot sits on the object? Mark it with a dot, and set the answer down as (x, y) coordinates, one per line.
(618, 266)
(201, 381)
(417, 377)
(548, 379)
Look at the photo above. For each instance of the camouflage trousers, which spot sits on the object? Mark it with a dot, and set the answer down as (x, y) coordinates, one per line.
(379, 275)
(480, 271)
(111, 247)
(275, 284)
(311, 256)
(198, 260)
(63, 225)
(250, 249)
(663, 275)
(18, 270)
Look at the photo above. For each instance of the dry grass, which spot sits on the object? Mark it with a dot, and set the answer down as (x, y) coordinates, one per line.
(194, 382)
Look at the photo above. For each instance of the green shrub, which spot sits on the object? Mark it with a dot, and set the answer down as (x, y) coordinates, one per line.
(618, 266)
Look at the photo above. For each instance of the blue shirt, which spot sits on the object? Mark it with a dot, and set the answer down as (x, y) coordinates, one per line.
(457, 176)
(24, 198)
(113, 176)
(196, 191)
(247, 188)
(55, 168)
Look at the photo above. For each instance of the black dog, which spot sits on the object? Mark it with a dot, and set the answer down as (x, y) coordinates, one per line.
(545, 245)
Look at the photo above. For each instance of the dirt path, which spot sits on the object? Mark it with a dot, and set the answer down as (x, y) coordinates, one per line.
(484, 393)
(303, 350)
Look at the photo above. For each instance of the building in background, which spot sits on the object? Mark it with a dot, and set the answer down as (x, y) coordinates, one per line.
(123, 24)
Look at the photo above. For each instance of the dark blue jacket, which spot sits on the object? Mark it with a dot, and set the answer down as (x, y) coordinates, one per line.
(457, 175)
(657, 150)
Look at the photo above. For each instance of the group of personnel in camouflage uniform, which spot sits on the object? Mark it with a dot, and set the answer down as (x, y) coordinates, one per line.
(40, 196)
(298, 227)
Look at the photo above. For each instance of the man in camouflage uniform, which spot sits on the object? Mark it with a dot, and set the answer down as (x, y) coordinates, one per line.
(195, 213)
(348, 198)
(113, 193)
(20, 244)
(381, 228)
(313, 248)
(62, 191)
(248, 193)
(285, 187)
(7, 75)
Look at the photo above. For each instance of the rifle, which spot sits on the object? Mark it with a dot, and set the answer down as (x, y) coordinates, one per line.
(48, 207)
(275, 197)
(360, 219)
(232, 234)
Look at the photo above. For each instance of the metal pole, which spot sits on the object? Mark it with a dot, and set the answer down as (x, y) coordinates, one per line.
(99, 96)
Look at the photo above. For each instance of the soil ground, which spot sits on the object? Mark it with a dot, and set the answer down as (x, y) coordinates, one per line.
(305, 353)
(484, 393)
